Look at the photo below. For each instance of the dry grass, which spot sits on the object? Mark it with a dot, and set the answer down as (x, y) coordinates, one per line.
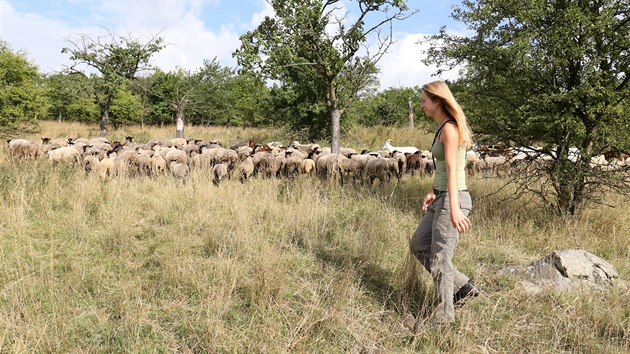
(144, 265)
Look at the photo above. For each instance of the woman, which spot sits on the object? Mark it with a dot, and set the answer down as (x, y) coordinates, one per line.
(447, 204)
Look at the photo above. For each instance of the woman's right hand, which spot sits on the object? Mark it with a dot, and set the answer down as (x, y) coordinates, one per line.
(428, 199)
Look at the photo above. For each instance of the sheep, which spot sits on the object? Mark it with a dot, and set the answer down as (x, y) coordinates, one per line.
(158, 165)
(91, 163)
(387, 145)
(245, 169)
(19, 148)
(190, 148)
(177, 142)
(176, 155)
(243, 151)
(362, 160)
(309, 149)
(401, 159)
(351, 167)
(215, 155)
(179, 169)
(329, 165)
(415, 162)
(107, 167)
(381, 168)
(293, 163)
(347, 152)
(219, 172)
(263, 162)
(51, 144)
(308, 167)
(64, 154)
(472, 163)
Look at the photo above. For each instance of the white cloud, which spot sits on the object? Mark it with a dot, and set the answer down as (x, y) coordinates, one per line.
(24, 32)
(189, 39)
(402, 65)
(258, 17)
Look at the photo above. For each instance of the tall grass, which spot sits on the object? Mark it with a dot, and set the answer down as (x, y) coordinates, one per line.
(144, 265)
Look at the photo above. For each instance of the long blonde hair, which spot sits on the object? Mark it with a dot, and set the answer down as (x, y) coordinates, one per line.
(438, 90)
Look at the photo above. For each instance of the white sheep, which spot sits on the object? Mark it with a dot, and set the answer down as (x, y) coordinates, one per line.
(179, 169)
(308, 167)
(158, 165)
(19, 148)
(387, 145)
(65, 154)
(91, 163)
(219, 173)
(245, 169)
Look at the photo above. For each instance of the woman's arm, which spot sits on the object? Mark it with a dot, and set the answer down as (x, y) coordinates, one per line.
(450, 139)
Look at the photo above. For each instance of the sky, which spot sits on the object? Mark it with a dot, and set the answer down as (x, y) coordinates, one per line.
(195, 30)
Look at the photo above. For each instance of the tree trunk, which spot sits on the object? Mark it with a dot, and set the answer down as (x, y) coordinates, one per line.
(335, 115)
(410, 113)
(104, 120)
(180, 124)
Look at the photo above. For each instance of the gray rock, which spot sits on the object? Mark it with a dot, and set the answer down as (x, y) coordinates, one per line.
(564, 270)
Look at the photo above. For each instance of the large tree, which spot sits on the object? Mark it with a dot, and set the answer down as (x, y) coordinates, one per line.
(22, 96)
(552, 75)
(315, 46)
(116, 59)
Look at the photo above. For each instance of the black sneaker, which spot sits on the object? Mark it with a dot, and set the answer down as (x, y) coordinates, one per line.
(468, 290)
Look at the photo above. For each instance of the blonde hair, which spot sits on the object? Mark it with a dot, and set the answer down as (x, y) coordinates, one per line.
(439, 91)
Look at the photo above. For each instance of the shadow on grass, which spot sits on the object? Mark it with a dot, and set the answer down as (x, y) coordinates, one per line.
(402, 291)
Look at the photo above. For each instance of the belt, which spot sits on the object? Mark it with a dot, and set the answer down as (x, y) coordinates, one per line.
(439, 192)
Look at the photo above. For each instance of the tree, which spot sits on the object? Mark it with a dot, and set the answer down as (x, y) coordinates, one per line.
(389, 107)
(172, 94)
(117, 59)
(552, 75)
(22, 95)
(70, 98)
(310, 50)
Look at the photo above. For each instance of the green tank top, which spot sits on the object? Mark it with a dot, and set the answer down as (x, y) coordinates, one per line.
(440, 180)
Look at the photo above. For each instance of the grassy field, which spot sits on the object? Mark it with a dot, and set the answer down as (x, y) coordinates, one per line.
(272, 266)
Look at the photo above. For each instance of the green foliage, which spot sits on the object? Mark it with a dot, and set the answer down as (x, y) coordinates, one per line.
(126, 109)
(389, 108)
(554, 75)
(212, 95)
(70, 98)
(314, 67)
(117, 60)
(21, 93)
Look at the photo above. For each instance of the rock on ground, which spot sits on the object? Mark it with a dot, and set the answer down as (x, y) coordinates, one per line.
(564, 270)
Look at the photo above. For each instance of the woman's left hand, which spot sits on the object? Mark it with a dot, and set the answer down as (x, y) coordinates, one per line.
(460, 221)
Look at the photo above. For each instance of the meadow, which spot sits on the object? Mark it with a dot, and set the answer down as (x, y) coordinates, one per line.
(276, 265)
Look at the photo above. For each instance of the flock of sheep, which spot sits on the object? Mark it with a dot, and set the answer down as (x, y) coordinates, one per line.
(247, 159)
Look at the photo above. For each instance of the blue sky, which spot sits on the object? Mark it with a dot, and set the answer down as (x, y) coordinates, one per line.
(196, 30)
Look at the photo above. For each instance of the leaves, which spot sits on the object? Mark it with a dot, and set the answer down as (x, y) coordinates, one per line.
(553, 74)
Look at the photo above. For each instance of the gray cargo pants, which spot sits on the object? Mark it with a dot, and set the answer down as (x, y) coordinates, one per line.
(434, 243)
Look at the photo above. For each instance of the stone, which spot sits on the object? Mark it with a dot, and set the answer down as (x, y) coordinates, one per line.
(564, 270)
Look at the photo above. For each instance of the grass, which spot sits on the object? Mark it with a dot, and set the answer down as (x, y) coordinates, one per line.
(157, 265)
